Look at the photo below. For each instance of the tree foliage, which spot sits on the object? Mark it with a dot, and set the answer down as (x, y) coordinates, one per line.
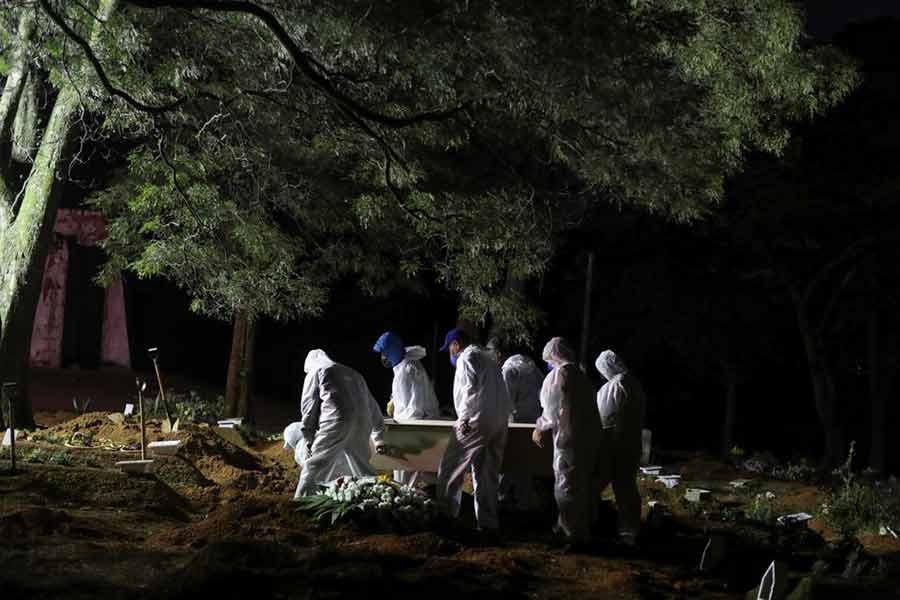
(274, 148)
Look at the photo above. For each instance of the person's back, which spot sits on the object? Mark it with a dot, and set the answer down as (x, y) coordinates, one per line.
(621, 405)
(523, 382)
(479, 434)
(570, 412)
(411, 390)
(340, 417)
(579, 417)
(479, 394)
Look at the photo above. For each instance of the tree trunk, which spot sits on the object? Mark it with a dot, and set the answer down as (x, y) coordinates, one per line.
(246, 387)
(24, 243)
(9, 102)
(730, 410)
(239, 385)
(823, 388)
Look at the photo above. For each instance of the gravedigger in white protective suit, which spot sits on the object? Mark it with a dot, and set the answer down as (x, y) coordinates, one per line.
(412, 394)
(523, 382)
(479, 434)
(621, 403)
(570, 412)
(340, 416)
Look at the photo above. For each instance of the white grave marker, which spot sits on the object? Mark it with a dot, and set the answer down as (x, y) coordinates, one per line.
(651, 470)
(795, 519)
(774, 582)
(129, 409)
(696, 495)
(7, 436)
(713, 554)
(670, 481)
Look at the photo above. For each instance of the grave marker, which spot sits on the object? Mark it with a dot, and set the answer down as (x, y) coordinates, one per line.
(697, 495)
(774, 582)
(713, 554)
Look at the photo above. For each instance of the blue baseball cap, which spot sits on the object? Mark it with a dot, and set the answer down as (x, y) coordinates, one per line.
(452, 336)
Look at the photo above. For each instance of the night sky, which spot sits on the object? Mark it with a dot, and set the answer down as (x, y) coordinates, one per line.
(829, 17)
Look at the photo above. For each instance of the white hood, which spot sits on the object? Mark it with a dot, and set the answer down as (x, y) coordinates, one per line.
(609, 364)
(316, 359)
(415, 353)
(519, 361)
(558, 352)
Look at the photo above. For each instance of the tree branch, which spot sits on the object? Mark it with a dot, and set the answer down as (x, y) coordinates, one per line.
(98, 68)
(308, 64)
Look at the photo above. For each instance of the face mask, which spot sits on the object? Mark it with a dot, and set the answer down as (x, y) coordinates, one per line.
(453, 359)
(550, 366)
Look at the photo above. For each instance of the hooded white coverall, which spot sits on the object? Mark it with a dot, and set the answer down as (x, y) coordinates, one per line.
(621, 403)
(480, 399)
(567, 400)
(412, 392)
(414, 399)
(523, 382)
(339, 417)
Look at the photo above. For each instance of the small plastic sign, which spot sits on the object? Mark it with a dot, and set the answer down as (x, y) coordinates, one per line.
(129, 409)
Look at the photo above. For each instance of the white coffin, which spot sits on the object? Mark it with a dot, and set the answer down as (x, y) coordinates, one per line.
(420, 445)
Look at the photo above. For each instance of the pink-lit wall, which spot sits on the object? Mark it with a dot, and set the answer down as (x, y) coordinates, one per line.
(87, 228)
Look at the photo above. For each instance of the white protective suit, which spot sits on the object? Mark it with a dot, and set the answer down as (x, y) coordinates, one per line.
(293, 439)
(621, 404)
(480, 399)
(340, 416)
(414, 399)
(412, 392)
(568, 409)
(523, 382)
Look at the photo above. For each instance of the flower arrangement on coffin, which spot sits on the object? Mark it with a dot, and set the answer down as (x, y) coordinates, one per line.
(379, 497)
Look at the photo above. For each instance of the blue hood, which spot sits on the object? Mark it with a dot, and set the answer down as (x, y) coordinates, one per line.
(391, 345)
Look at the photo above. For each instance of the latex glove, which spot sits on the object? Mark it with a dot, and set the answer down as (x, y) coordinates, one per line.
(390, 407)
(537, 436)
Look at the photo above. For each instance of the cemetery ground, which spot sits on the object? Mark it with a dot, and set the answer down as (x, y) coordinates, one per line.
(217, 520)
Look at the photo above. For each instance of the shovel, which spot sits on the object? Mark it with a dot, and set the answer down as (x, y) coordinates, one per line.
(168, 426)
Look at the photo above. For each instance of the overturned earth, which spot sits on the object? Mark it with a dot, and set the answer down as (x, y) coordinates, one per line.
(217, 519)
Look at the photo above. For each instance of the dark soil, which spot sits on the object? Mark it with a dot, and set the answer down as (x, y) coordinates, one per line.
(216, 520)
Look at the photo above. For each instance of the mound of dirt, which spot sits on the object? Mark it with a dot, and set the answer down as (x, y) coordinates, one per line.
(98, 427)
(75, 487)
(231, 569)
(31, 522)
(246, 516)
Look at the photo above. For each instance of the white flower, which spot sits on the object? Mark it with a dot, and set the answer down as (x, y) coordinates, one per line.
(770, 496)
